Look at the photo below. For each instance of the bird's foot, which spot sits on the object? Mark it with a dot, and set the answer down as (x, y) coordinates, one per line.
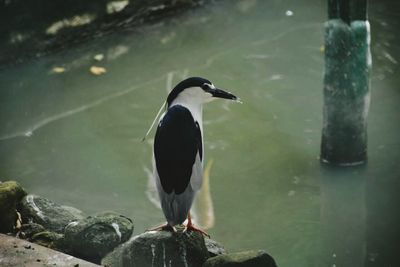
(191, 227)
(162, 227)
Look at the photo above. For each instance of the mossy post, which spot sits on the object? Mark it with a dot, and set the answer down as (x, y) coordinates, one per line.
(346, 83)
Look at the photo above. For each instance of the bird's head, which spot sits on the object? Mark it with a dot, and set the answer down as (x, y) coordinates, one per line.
(192, 92)
(197, 90)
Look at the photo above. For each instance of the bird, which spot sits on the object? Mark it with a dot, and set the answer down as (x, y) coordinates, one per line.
(178, 149)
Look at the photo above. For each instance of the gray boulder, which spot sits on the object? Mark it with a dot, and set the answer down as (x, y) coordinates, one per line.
(10, 194)
(29, 229)
(50, 215)
(252, 258)
(95, 236)
(49, 239)
(160, 248)
(214, 248)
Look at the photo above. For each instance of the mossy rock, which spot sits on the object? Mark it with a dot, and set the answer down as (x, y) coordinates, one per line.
(252, 258)
(160, 248)
(50, 215)
(29, 229)
(214, 248)
(49, 239)
(93, 237)
(10, 194)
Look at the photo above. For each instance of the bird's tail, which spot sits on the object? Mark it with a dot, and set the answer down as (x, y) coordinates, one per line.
(176, 207)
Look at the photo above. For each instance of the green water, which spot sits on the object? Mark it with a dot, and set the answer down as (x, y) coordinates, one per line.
(75, 138)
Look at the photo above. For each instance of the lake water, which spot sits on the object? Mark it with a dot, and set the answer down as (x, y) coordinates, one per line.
(75, 137)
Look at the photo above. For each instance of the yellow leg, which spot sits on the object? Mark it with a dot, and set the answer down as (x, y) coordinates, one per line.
(191, 227)
(162, 227)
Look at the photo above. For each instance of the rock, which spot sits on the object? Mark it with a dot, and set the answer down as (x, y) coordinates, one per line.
(74, 211)
(95, 236)
(252, 258)
(160, 248)
(49, 239)
(52, 216)
(18, 252)
(214, 248)
(29, 229)
(10, 194)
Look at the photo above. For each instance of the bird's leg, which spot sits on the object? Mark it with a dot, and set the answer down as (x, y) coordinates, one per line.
(162, 227)
(191, 227)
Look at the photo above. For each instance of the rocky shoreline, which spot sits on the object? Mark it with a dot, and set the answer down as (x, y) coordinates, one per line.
(107, 238)
(34, 29)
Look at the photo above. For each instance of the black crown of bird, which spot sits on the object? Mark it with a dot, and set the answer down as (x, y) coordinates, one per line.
(178, 148)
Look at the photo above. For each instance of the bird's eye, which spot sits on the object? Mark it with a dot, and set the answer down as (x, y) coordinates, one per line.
(206, 87)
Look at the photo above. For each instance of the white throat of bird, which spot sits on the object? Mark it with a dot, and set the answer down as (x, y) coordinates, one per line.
(193, 99)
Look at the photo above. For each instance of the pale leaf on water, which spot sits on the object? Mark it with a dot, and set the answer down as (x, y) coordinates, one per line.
(97, 70)
(98, 57)
(58, 70)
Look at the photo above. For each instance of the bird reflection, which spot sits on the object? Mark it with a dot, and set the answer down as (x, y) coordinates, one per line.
(203, 208)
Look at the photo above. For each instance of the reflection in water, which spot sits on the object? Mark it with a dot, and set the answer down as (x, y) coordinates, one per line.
(151, 190)
(203, 209)
(343, 216)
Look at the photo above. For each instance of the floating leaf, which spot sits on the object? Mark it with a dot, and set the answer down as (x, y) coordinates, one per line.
(97, 70)
(116, 6)
(289, 13)
(99, 57)
(58, 70)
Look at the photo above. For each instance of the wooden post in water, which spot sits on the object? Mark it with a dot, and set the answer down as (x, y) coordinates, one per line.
(346, 83)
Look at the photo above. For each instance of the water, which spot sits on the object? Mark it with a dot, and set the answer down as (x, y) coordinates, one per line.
(76, 138)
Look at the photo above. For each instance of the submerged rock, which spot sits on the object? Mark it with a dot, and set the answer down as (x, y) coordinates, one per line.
(160, 248)
(252, 258)
(95, 236)
(50, 215)
(10, 194)
(214, 248)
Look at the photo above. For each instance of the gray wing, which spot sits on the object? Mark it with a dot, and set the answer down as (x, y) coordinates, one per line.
(197, 173)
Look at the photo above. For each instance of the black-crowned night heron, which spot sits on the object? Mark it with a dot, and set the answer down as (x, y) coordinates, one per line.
(179, 148)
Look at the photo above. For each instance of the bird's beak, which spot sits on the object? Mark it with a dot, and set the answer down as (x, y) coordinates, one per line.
(223, 94)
